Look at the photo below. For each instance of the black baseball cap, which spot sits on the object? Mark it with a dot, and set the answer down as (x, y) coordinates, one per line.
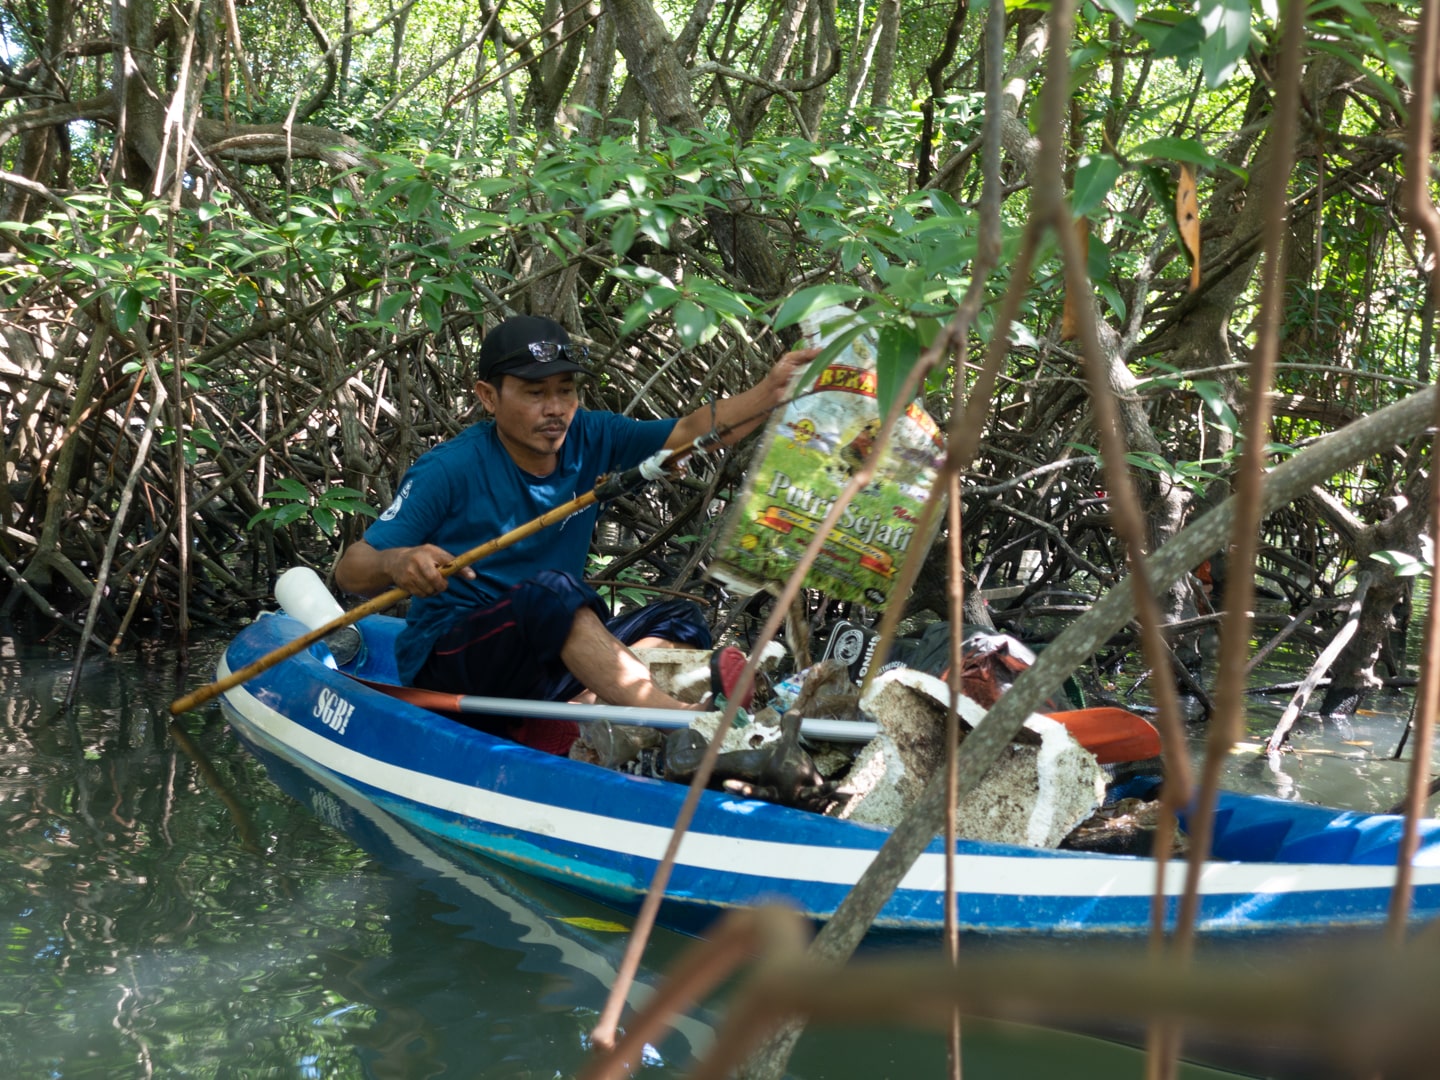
(528, 347)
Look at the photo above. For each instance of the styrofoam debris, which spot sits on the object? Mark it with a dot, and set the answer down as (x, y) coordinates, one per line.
(747, 733)
(681, 673)
(1032, 795)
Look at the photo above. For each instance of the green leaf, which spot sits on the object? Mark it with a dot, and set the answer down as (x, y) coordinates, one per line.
(816, 298)
(1226, 24)
(1170, 148)
(127, 308)
(724, 297)
(1112, 297)
(325, 519)
(651, 303)
(1213, 395)
(290, 513)
(1162, 190)
(349, 506)
(1125, 9)
(693, 323)
(789, 177)
(898, 348)
(1097, 259)
(431, 313)
(205, 439)
(390, 307)
(341, 491)
(287, 487)
(1181, 40)
(622, 233)
(1094, 178)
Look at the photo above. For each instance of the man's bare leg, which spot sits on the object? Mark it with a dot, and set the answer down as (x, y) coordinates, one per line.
(608, 668)
(587, 697)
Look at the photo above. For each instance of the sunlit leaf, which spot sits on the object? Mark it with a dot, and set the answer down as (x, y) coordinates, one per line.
(1125, 9)
(1227, 35)
(1094, 177)
(1213, 395)
(693, 323)
(1401, 563)
(817, 298)
(1170, 148)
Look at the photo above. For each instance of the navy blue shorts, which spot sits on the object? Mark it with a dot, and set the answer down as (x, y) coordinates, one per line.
(512, 647)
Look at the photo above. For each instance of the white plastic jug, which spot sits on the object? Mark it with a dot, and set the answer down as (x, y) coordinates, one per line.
(302, 595)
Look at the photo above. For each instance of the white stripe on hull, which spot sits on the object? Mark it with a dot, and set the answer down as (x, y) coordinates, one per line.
(1094, 876)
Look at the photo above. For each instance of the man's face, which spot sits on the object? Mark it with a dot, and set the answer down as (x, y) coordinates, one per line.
(532, 418)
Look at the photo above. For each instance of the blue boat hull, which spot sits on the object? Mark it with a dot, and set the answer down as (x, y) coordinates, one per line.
(602, 833)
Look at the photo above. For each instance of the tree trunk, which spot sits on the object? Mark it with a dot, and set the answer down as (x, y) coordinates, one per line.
(812, 101)
(564, 36)
(861, 60)
(882, 66)
(788, 26)
(592, 87)
(1353, 673)
(744, 244)
(136, 86)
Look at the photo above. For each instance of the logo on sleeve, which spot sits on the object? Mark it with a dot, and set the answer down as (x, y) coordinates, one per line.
(394, 508)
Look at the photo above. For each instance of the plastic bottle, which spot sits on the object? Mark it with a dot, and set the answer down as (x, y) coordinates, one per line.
(302, 595)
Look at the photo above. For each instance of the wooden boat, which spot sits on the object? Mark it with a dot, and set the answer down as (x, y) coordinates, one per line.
(1277, 867)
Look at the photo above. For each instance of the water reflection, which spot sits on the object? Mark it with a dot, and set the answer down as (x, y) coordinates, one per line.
(166, 909)
(584, 944)
(1348, 763)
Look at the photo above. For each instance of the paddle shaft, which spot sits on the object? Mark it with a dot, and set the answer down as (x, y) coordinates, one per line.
(380, 603)
(1112, 734)
(627, 715)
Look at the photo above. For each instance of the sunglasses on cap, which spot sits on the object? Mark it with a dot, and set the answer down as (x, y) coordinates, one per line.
(546, 352)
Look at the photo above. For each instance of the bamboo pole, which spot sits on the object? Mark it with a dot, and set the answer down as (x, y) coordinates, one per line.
(379, 603)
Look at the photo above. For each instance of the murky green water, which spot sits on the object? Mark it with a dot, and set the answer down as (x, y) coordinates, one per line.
(167, 910)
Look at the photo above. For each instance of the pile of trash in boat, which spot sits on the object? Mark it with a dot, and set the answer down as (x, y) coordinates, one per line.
(1046, 790)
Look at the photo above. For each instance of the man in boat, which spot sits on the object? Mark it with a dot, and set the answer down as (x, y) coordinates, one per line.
(522, 623)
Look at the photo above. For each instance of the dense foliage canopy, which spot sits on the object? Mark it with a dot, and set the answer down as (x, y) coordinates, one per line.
(250, 248)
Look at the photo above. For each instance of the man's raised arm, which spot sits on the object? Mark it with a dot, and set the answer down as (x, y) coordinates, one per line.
(739, 415)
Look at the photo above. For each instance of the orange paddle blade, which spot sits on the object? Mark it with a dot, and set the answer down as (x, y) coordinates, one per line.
(1112, 734)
